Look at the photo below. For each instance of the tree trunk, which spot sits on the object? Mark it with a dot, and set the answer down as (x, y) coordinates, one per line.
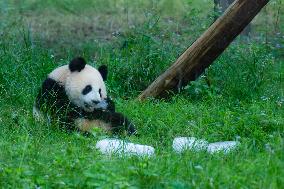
(220, 7)
(206, 49)
(223, 4)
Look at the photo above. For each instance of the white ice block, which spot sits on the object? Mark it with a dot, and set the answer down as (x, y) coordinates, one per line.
(120, 147)
(181, 144)
(224, 146)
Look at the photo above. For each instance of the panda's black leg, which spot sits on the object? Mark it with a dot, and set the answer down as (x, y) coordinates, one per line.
(132, 130)
(119, 123)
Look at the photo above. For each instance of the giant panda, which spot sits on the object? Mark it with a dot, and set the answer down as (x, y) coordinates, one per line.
(75, 96)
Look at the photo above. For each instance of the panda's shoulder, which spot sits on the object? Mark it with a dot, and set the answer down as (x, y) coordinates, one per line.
(60, 74)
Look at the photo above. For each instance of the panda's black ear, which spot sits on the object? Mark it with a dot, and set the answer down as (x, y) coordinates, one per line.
(77, 64)
(103, 70)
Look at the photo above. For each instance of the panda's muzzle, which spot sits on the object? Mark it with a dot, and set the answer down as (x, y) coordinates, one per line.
(95, 102)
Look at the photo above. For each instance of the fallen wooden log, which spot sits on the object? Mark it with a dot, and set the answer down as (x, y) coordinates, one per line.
(192, 63)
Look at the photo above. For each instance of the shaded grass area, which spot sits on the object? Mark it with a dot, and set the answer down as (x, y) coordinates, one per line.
(240, 98)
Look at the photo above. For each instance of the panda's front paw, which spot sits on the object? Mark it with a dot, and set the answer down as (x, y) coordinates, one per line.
(120, 123)
(110, 105)
(131, 129)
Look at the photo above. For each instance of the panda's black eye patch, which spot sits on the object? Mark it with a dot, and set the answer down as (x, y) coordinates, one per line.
(87, 89)
(100, 91)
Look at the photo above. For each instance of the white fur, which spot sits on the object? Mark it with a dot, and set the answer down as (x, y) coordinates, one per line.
(75, 82)
(39, 116)
(60, 74)
(120, 147)
(36, 113)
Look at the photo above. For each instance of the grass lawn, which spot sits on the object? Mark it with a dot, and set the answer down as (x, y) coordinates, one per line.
(240, 97)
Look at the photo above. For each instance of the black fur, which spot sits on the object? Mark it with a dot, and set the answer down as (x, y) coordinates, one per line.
(87, 89)
(52, 99)
(103, 70)
(117, 120)
(77, 64)
(110, 105)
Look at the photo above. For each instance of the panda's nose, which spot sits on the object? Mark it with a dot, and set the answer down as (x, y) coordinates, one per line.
(95, 101)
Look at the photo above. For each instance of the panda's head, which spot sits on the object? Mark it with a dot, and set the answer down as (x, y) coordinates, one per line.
(85, 86)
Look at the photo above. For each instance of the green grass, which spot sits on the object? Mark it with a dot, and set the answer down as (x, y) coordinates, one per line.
(240, 97)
